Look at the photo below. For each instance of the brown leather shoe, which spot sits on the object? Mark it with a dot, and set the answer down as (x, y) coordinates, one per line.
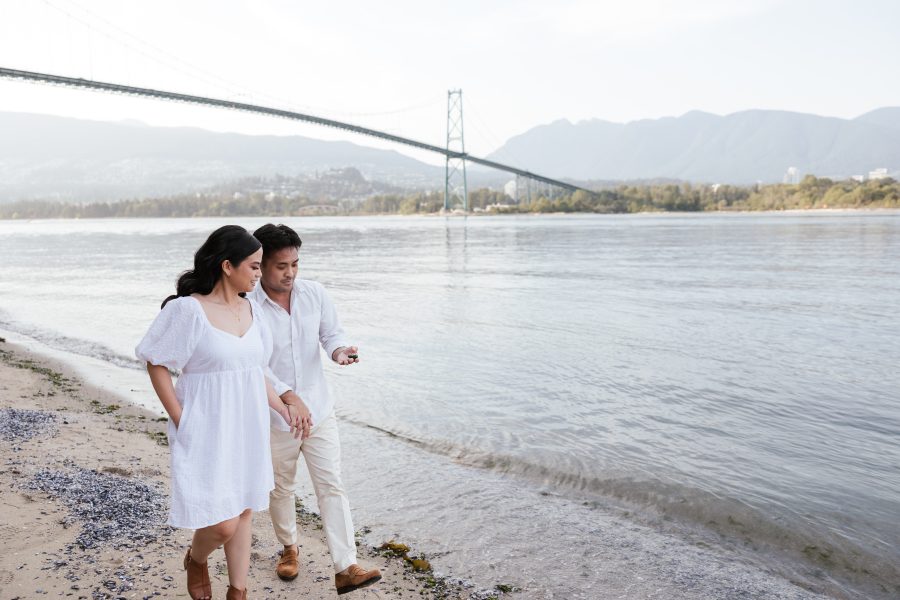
(197, 578)
(289, 564)
(235, 594)
(354, 578)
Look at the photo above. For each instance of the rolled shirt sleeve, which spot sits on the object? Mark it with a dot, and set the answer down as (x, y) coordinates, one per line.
(331, 334)
(279, 386)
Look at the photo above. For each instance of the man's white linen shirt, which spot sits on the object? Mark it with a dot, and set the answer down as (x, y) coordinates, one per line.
(296, 361)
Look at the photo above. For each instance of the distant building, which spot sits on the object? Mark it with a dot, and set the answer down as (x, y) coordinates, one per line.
(859, 178)
(510, 188)
(878, 174)
(792, 175)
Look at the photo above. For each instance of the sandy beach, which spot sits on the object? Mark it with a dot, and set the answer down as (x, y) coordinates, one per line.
(83, 488)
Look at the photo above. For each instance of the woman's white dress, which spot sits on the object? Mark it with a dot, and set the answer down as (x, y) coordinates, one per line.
(220, 455)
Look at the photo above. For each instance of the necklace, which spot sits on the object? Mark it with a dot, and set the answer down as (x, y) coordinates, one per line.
(237, 314)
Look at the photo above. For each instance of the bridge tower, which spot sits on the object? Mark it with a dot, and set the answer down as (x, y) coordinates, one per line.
(455, 186)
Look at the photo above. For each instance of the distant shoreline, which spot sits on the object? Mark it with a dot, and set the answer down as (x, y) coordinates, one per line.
(491, 214)
(810, 194)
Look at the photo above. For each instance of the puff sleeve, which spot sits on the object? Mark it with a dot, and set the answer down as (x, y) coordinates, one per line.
(173, 335)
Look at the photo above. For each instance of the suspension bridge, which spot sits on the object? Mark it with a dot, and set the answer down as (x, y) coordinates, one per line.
(455, 159)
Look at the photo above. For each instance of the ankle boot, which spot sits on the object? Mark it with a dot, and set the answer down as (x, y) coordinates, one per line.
(197, 577)
(235, 594)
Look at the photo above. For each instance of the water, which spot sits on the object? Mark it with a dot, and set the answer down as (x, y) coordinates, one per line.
(586, 406)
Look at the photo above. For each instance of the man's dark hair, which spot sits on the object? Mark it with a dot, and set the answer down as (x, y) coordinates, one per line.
(276, 237)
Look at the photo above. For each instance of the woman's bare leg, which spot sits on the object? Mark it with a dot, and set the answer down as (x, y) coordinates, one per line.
(237, 551)
(209, 538)
(206, 540)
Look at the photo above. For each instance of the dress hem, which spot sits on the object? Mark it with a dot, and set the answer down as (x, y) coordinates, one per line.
(255, 507)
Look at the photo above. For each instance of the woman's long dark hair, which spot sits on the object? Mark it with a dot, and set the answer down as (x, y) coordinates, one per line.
(230, 242)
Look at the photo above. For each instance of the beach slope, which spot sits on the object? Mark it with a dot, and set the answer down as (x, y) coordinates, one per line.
(84, 490)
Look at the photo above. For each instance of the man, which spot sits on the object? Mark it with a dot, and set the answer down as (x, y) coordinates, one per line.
(302, 318)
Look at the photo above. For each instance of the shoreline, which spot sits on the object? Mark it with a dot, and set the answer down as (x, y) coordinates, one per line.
(123, 412)
(98, 438)
(485, 213)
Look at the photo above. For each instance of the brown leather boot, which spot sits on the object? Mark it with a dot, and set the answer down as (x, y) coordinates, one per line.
(355, 577)
(235, 594)
(289, 564)
(197, 578)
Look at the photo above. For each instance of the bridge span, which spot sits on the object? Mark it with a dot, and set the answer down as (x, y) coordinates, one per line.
(34, 77)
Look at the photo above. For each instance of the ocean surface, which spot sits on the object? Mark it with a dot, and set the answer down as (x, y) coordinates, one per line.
(636, 406)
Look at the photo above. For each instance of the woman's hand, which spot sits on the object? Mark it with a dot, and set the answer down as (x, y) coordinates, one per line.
(298, 407)
(292, 418)
(292, 410)
(162, 385)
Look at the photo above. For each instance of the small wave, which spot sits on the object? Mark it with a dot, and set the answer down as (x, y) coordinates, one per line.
(77, 346)
(862, 568)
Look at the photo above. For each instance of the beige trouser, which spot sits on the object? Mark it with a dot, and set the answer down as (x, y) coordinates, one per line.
(322, 451)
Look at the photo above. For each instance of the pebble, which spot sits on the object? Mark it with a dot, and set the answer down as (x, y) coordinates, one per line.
(17, 424)
(110, 508)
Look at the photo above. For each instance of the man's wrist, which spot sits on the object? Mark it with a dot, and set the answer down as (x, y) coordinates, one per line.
(336, 352)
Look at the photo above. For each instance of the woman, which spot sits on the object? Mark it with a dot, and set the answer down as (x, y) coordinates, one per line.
(218, 410)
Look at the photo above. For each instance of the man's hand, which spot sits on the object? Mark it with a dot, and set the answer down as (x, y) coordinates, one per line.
(300, 412)
(346, 355)
(292, 418)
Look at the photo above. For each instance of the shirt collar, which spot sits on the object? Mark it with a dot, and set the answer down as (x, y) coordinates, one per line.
(265, 295)
(296, 290)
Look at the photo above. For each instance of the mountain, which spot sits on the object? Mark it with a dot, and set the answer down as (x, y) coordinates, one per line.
(44, 156)
(740, 148)
(882, 117)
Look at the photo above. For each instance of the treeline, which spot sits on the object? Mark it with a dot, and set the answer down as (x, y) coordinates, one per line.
(811, 193)
(173, 206)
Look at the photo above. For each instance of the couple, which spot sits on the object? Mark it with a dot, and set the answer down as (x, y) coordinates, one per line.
(250, 399)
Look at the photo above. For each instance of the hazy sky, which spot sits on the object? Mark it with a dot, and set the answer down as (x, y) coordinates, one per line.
(389, 64)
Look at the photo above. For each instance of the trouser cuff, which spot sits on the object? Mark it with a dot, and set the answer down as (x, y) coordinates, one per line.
(344, 562)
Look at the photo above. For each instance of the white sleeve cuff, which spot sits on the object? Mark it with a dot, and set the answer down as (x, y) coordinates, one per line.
(280, 388)
(334, 346)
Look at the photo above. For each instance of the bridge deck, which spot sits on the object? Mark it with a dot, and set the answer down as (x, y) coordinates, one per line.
(275, 112)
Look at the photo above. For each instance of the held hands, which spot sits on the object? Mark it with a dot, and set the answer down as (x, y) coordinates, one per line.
(297, 415)
(292, 418)
(346, 355)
